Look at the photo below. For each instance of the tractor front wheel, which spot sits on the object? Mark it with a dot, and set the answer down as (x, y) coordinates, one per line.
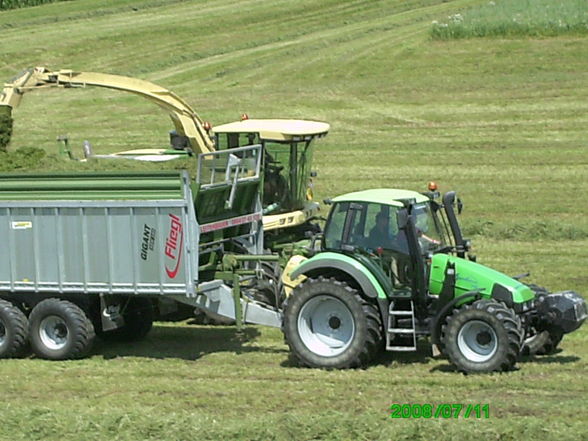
(327, 324)
(484, 336)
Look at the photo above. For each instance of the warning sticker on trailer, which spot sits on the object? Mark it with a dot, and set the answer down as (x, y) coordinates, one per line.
(220, 225)
(21, 225)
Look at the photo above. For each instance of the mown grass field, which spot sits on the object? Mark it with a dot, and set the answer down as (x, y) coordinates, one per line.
(515, 18)
(501, 120)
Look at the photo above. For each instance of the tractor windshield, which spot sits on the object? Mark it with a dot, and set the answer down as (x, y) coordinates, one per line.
(431, 228)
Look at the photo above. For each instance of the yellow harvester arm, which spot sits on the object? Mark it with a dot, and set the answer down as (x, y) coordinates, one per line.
(185, 119)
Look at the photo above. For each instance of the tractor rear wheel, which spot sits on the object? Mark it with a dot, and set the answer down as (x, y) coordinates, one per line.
(60, 330)
(483, 336)
(327, 324)
(14, 330)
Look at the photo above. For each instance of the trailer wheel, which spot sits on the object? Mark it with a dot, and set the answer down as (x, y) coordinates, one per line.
(60, 330)
(138, 315)
(14, 331)
(483, 336)
(327, 324)
(542, 343)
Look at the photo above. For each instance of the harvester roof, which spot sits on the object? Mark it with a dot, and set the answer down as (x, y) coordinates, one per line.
(276, 129)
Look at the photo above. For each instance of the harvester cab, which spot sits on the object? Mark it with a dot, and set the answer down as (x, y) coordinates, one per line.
(393, 267)
(287, 169)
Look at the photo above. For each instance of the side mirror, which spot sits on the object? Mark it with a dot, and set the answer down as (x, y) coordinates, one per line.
(459, 206)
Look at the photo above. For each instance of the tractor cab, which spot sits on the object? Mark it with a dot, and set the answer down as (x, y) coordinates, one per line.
(288, 148)
(371, 226)
(369, 220)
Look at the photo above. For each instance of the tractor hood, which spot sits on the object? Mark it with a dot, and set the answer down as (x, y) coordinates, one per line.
(471, 276)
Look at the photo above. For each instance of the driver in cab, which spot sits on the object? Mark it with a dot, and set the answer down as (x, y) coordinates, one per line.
(380, 236)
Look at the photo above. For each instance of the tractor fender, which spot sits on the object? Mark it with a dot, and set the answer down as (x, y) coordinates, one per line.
(437, 322)
(328, 262)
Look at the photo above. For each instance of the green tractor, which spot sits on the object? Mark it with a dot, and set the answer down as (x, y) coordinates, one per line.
(392, 267)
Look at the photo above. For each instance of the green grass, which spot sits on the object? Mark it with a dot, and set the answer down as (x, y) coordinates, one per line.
(502, 121)
(14, 4)
(520, 18)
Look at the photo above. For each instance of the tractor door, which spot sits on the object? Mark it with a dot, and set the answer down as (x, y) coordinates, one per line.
(417, 265)
(369, 231)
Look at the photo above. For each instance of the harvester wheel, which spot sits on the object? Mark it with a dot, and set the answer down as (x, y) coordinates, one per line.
(543, 343)
(14, 331)
(327, 324)
(483, 336)
(60, 330)
(138, 315)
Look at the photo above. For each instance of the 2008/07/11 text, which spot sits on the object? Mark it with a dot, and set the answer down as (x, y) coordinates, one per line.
(444, 410)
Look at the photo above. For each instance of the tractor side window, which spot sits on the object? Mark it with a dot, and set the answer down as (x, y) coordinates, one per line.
(335, 225)
(382, 228)
(356, 230)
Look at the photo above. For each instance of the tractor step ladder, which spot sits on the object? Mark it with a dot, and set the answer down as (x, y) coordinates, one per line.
(392, 333)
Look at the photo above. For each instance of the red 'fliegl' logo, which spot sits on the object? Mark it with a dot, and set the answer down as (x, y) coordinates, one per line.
(174, 244)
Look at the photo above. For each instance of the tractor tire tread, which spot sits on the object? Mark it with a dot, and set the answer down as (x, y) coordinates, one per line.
(82, 328)
(508, 319)
(374, 330)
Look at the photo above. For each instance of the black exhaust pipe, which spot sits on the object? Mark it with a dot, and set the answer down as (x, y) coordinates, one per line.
(460, 244)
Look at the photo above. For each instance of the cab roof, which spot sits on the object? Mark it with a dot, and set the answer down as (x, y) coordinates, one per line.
(276, 129)
(385, 196)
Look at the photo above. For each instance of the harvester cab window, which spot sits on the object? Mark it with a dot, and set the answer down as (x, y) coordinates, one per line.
(286, 173)
(275, 172)
(232, 140)
(303, 181)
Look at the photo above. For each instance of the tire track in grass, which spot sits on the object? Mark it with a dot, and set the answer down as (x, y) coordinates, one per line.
(334, 35)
